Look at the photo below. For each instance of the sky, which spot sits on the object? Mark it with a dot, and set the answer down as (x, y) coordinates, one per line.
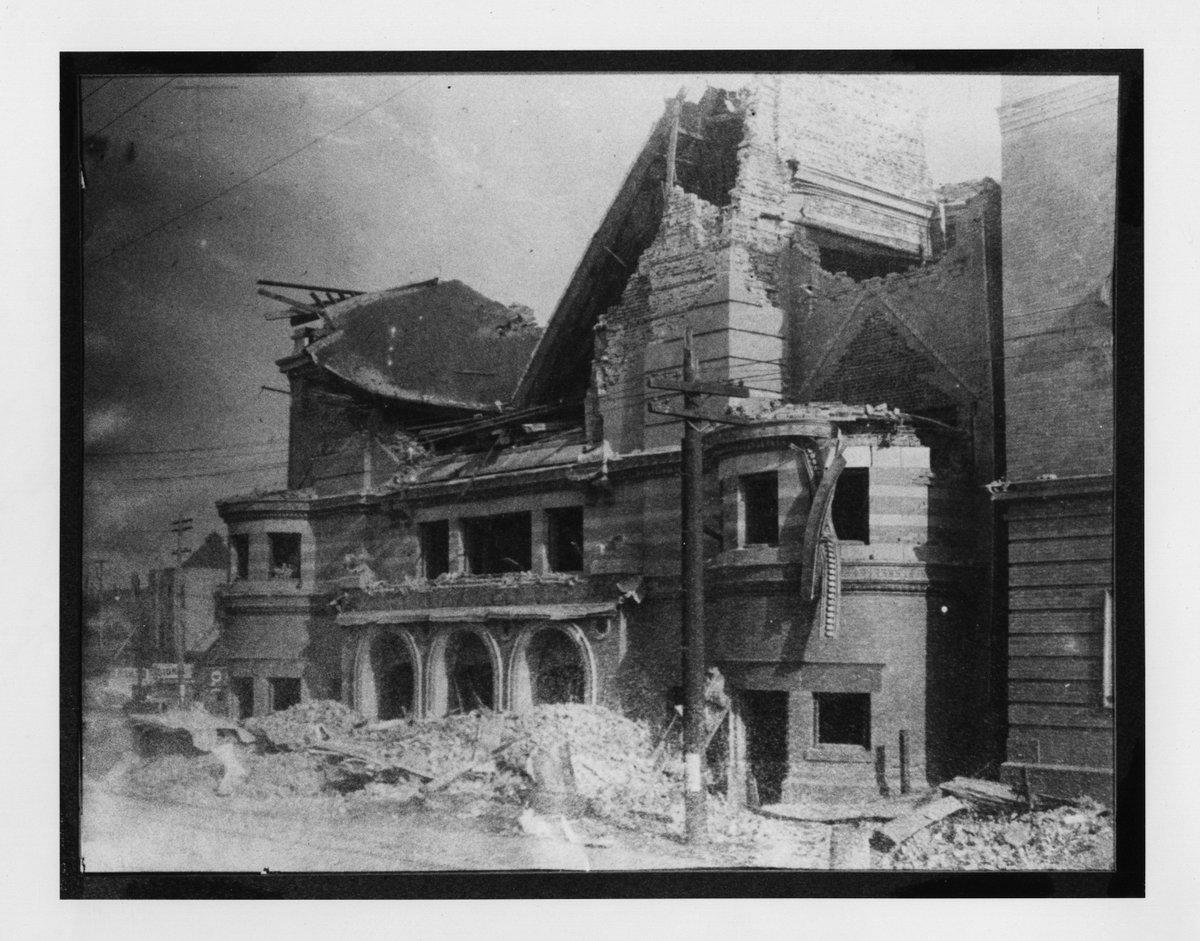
(195, 187)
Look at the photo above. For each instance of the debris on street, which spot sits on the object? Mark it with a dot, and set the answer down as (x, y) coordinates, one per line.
(1064, 837)
(985, 795)
(589, 776)
(900, 829)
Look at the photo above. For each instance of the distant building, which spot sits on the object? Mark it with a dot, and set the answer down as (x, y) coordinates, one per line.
(183, 603)
(114, 621)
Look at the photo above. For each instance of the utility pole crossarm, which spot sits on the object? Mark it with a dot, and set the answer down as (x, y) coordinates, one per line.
(698, 413)
(727, 389)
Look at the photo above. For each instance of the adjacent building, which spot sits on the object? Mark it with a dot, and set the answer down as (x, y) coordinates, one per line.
(1059, 151)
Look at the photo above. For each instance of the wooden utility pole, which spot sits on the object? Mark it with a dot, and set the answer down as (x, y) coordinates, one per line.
(179, 527)
(691, 542)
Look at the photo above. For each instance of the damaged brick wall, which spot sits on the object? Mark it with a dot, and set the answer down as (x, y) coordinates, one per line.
(920, 341)
(815, 152)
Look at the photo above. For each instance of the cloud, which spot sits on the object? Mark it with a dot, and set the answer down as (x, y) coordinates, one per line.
(104, 423)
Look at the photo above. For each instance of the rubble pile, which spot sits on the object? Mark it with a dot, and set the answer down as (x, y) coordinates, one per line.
(285, 774)
(597, 761)
(304, 724)
(1065, 837)
(594, 754)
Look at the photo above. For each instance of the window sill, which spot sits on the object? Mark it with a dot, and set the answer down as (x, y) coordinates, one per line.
(845, 754)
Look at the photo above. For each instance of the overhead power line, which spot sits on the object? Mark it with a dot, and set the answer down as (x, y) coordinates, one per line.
(244, 181)
(131, 107)
(217, 447)
(96, 89)
(175, 457)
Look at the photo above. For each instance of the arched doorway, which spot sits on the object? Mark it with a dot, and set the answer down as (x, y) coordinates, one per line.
(395, 677)
(388, 675)
(464, 672)
(552, 663)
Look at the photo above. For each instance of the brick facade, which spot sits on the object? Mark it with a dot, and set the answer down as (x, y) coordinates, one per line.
(1059, 153)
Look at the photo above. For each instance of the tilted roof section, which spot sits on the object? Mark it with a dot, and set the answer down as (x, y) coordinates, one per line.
(442, 344)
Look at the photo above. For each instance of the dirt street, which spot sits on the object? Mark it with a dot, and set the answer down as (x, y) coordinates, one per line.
(121, 832)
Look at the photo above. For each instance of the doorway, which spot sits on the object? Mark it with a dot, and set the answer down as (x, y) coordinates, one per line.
(470, 672)
(395, 677)
(765, 716)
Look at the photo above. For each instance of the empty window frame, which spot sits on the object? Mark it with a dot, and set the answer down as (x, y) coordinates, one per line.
(435, 548)
(760, 509)
(285, 692)
(241, 555)
(842, 719)
(564, 539)
(494, 545)
(285, 555)
(852, 505)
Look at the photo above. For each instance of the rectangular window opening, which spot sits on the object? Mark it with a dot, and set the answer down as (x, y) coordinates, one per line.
(285, 692)
(842, 719)
(852, 505)
(241, 555)
(760, 504)
(495, 545)
(435, 548)
(285, 555)
(564, 539)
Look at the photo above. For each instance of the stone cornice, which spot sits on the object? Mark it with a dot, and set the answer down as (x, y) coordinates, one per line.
(301, 602)
(825, 183)
(236, 510)
(641, 465)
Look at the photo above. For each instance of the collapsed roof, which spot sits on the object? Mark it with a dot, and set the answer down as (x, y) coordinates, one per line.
(439, 343)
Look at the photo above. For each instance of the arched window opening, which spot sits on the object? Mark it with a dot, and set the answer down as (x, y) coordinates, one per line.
(555, 668)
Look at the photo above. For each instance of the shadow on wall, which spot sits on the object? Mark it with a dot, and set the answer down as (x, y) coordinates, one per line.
(651, 667)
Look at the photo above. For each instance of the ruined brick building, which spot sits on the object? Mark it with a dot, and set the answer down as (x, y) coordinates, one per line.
(478, 514)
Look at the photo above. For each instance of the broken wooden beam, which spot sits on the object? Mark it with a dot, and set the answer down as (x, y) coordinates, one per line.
(893, 834)
(307, 287)
(299, 316)
(298, 308)
(436, 784)
(291, 302)
(991, 795)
